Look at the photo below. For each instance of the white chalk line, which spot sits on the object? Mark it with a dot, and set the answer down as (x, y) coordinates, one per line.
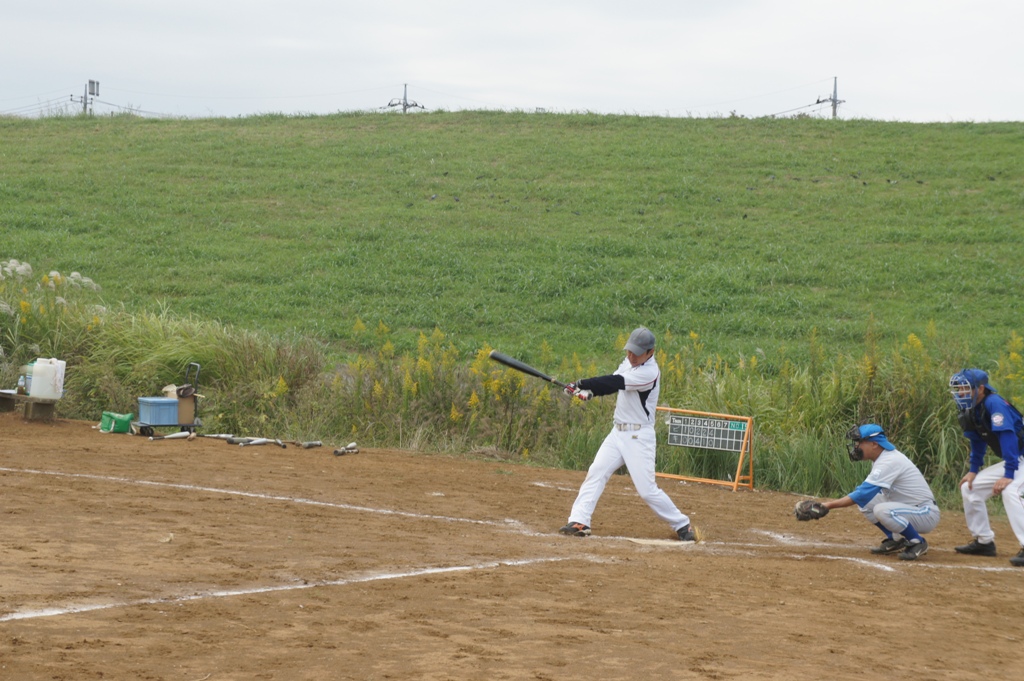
(734, 548)
(858, 561)
(508, 523)
(227, 593)
(256, 495)
(789, 540)
(549, 485)
(574, 490)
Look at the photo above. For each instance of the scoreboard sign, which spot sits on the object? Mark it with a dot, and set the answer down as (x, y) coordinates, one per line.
(706, 433)
(707, 430)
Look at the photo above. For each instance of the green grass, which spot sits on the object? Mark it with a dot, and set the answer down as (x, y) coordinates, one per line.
(336, 276)
(512, 229)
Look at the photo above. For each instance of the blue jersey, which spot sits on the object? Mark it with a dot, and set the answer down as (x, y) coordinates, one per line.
(994, 423)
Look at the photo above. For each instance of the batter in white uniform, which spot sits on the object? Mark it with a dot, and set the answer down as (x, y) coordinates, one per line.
(631, 440)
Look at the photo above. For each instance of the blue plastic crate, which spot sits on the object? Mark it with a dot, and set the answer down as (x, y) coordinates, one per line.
(158, 411)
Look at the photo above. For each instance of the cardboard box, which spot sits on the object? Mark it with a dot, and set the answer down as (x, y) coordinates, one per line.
(158, 411)
(186, 410)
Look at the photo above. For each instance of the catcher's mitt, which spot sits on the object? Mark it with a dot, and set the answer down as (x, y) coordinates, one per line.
(810, 510)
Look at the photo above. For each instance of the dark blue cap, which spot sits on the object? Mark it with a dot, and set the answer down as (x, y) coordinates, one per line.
(976, 377)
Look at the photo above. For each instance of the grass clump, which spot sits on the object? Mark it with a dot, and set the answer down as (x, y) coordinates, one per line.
(436, 398)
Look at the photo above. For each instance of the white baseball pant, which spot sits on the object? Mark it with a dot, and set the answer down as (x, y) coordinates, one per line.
(895, 516)
(636, 449)
(975, 512)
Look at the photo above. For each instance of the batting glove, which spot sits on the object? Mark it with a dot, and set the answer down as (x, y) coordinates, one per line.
(573, 390)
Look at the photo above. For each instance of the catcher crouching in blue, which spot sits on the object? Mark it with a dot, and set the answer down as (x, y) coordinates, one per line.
(894, 497)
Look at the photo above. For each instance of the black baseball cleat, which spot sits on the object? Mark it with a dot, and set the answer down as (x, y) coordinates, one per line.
(890, 546)
(976, 548)
(1018, 560)
(576, 530)
(686, 534)
(914, 550)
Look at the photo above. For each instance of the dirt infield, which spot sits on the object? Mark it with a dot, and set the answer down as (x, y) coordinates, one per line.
(124, 558)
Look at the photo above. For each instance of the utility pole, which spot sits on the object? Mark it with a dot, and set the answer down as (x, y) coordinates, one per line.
(835, 96)
(92, 89)
(404, 101)
(834, 99)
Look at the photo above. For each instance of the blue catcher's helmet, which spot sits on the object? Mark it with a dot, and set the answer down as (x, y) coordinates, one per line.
(963, 384)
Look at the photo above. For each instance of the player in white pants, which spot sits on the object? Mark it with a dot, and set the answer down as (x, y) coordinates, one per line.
(894, 497)
(989, 421)
(631, 440)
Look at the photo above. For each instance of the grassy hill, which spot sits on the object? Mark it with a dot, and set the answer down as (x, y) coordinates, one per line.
(515, 229)
(336, 276)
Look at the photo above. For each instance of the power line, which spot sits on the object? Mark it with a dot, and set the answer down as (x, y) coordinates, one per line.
(758, 96)
(833, 100)
(41, 94)
(134, 110)
(37, 107)
(233, 97)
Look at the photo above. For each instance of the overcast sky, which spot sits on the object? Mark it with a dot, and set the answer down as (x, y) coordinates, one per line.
(905, 60)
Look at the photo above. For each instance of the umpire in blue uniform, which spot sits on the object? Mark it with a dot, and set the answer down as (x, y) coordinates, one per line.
(989, 421)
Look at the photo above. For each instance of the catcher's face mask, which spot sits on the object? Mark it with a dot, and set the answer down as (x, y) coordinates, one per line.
(962, 390)
(853, 448)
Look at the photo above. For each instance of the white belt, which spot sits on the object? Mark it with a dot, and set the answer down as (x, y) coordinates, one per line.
(628, 426)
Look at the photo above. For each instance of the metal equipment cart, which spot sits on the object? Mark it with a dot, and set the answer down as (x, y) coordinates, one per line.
(186, 411)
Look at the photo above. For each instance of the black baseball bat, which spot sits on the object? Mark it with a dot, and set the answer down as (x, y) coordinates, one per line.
(520, 366)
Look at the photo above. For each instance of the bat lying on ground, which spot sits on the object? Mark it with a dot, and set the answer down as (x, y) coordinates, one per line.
(350, 448)
(183, 435)
(305, 445)
(525, 368)
(219, 436)
(251, 441)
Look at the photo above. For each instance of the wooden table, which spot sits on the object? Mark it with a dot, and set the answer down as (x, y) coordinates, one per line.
(36, 408)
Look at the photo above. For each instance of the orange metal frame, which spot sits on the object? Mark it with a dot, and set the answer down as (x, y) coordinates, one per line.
(746, 452)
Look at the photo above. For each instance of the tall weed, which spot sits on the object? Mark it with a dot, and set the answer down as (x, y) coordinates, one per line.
(437, 399)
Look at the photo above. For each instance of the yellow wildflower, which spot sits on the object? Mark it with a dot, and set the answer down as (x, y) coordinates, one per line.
(424, 366)
(408, 385)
